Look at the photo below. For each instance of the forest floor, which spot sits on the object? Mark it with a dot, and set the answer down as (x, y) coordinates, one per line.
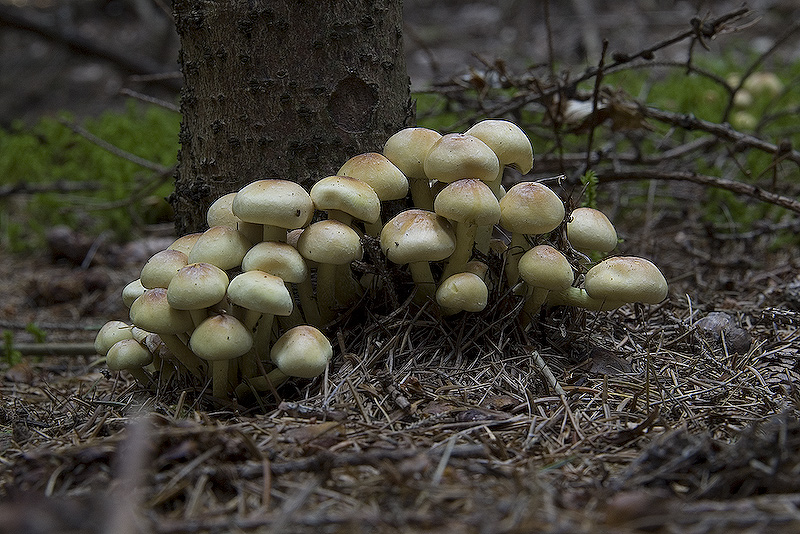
(677, 417)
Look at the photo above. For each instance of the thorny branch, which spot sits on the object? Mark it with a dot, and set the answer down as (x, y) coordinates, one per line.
(548, 95)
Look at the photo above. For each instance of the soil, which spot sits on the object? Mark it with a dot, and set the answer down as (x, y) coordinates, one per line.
(677, 417)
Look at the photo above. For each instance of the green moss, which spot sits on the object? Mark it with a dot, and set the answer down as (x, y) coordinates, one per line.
(50, 152)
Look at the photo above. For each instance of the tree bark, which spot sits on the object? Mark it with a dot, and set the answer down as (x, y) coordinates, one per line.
(282, 89)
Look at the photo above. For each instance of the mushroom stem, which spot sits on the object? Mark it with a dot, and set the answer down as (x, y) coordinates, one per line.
(421, 193)
(423, 280)
(184, 355)
(274, 233)
(274, 378)
(519, 245)
(576, 296)
(219, 378)
(326, 291)
(465, 240)
(308, 302)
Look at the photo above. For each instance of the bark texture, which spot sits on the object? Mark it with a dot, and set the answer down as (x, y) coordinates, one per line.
(283, 89)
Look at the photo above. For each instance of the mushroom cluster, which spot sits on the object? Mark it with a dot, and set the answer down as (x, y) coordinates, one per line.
(244, 304)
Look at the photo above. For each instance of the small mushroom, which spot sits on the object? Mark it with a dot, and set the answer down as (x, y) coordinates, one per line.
(277, 205)
(129, 355)
(407, 149)
(219, 339)
(589, 230)
(417, 237)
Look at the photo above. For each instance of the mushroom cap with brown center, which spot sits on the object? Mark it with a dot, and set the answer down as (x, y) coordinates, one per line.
(197, 286)
(417, 235)
(468, 201)
(456, 156)
(531, 208)
(220, 337)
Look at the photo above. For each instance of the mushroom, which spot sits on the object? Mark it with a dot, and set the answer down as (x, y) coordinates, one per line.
(382, 175)
(281, 260)
(185, 243)
(303, 352)
(129, 355)
(544, 269)
(152, 312)
(407, 150)
(219, 339)
(222, 246)
(614, 282)
(417, 237)
(589, 230)
(456, 156)
(161, 267)
(277, 205)
(346, 198)
(132, 291)
(329, 243)
(626, 279)
(464, 291)
(468, 204)
(110, 333)
(528, 208)
(262, 296)
(197, 287)
(509, 143)
(220, 213)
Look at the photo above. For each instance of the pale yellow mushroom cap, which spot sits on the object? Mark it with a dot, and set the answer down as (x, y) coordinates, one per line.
(161, 267)
(417, 235)
(274, 202)
(457, 156)
(185, 243)
(127, 354)
(531, 208)
(546, 267)
(302, 351)
(261, 292)
(220, 212)
(407, 150)
(349, 195)
(330, 242)
(382, 175)
(589, 230)
(220, 337)
(222, 246)
(197, 286)
(468, 201)
(110, 333)
(626, 279)
(152, 312)
(463, 292)
(279, 259)
(508, 142)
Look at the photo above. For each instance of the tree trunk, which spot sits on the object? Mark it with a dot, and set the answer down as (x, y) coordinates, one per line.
(283, 89)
